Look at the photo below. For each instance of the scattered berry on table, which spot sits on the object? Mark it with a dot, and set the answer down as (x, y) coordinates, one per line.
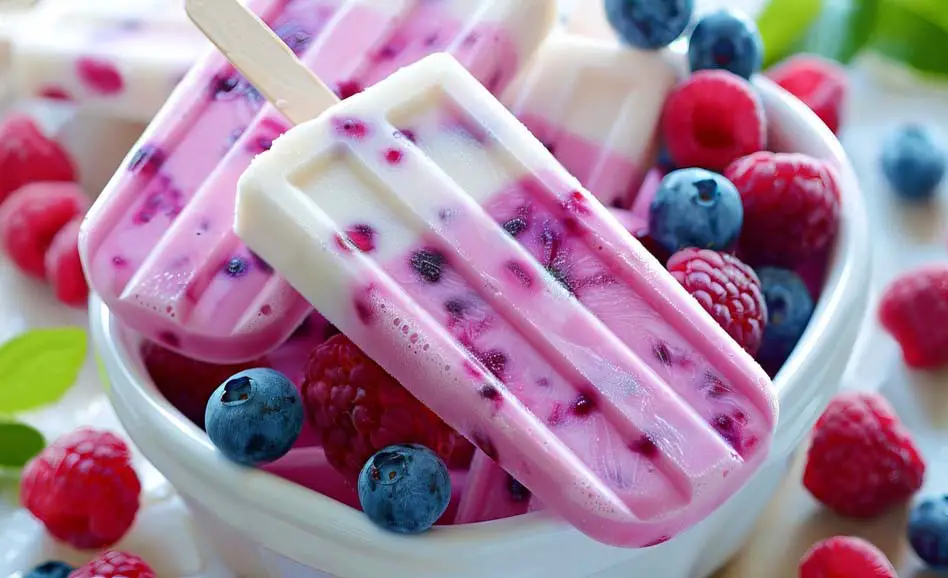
(913, 161)
(50, 569)
(862, 460)
(188, 383)
(727, 289)
(791, 207)
(695, 208)
(404, 488)
(845, 557)
(928, 531)
(114, 564)
(726, 40)
(83, 488)
(712, 119)
(255, 416)
(819, 83)
(356, 409)
(28, 156)
(914, 310)
(63, 267)
(789, 307)
(31, 217)
(649, 24)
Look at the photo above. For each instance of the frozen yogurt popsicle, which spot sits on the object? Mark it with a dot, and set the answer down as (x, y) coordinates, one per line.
(158, 245)
(435, 231)
(119, 58)
(596, 106)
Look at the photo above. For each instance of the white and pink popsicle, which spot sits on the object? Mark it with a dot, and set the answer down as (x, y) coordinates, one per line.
(158, 245)
(596, 107)
(429, 226)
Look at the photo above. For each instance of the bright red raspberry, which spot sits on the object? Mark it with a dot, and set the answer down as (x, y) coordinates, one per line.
(819, 83)
(356, 408)
(114, 564)
(791, 207)
(862, 460)
(27, 156)
(727, 289)
(187, 383)
(914, 310)
(63, 267)
(31, 217)
(712, 119)
(83, 489)
(845, 557)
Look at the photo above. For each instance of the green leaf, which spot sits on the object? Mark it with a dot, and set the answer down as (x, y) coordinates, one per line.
(38, 367)
(914, 33)
(782, 23)
(19, 443)
(842, 31)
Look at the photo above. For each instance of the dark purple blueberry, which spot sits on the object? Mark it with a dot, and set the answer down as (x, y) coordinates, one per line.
(294, 36)
(406, 133)
(455, 307)
(260, 264)
(583, 405)
(495, 361)
(490, 392)
(362, 236)
(429, 263)
(662, 353)
(347, 88)
(521, 273)
(515, 226)
(147, 160)
(645, 445)
(236, 267)
(225, 86)
(518, 493)
(729, 429)
(561, 277)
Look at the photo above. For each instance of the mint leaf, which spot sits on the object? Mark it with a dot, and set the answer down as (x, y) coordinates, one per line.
(783, 22)
(19, 443)
(913, 32)
(39, 366)
(842, 31)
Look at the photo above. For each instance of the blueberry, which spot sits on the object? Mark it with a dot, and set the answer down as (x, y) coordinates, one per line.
(695, 208)
(728, 40)
(255, 416)
(429, 264)
(649, 24)
(404, 488)
(789, 307)
(913, 161)
(928, 531)
(51, 569)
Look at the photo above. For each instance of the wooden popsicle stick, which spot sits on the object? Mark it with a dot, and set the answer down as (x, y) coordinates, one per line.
(262, 57)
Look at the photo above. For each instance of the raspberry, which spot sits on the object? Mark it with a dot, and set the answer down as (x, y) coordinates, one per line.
(845, 557)
(819, 83)
(27, 156)
(861, 460)
(791, 207)
(31, 217)
(914, 310)
(114, 564)
(83, 489)
(357, 409)
(187, 383)
(63, 267)
(712, 119)
(727, 289)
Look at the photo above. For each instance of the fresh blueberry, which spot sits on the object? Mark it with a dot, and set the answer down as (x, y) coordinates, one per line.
(928, 531)
(649, 24)
(728, 40)
(695, 208)
(664, 162)
(404, 488)
(51, 569)
(913, 161)
(789, 307)
(255, 416)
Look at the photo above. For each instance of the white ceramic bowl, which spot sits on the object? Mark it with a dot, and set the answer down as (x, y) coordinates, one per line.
(265, 526)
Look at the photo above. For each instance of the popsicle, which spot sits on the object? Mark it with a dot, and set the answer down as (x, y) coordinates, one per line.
(439, 235)
(118, 58)
(490, 493)
(596, 106)
(11, 13)
(158, 246)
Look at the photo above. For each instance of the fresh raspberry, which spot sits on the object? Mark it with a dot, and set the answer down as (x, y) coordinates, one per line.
(862, 460)
(63, 267)
(83, 489)
(27, 156)
(845, 557)
(357, 409)
(712, 119)
(31, 217)
(114, 564)
(914, 309)
(791, 207)
(728, 289)
(819, 83)
(187, 383)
